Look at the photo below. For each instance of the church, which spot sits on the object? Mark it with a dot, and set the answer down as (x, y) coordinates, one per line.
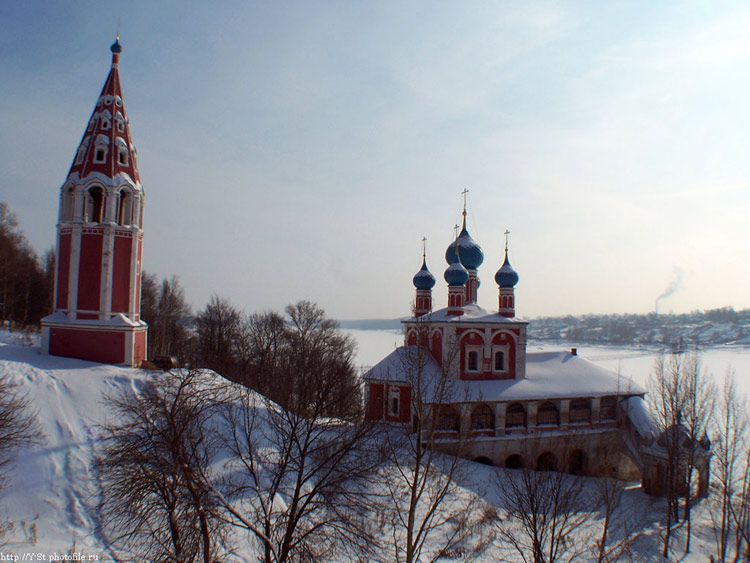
(99, 246)
(465, 378)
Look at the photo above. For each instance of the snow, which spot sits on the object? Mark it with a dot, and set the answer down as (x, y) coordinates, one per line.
(52, 498)
(473, 313)
(548, 375)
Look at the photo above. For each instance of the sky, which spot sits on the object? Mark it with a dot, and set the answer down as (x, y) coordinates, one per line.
(301, 150)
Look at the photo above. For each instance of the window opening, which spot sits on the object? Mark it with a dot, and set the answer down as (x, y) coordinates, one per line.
(94, 205)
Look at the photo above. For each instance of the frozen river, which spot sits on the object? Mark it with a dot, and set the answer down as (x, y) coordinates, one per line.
(637, 363)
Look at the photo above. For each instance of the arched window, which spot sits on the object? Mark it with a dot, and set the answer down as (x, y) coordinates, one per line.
(607, 408)
(515, 416)
(547, 413)
(546, 462)
(119, 122)
(68, 204)
(125, 211)
(82, 150)
(447, 418)
(472, 360)
(577, 464)
(94, 205)
(499, 361)
(482, 418)
(580, 410)
(514, 461)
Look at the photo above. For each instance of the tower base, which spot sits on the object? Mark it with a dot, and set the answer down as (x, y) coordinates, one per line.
(118, 341)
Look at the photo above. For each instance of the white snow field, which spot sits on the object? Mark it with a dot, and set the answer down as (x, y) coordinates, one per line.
(51, 501)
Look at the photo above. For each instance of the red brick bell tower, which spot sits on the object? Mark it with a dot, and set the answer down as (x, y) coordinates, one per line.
(100, 242)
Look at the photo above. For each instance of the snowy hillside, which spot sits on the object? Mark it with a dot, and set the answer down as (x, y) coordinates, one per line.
(52, 500)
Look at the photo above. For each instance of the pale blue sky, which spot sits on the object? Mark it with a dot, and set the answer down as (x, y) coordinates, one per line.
(302, 149)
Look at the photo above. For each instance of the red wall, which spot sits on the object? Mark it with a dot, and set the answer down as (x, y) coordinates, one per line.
(63, 271)
(90, 271)
(375, 403)
(121, 274)
(139, 347)
(93, 345)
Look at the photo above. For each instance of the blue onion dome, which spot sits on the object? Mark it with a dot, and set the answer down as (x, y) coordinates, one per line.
(116, 47)
(469, 252)
(506, 276)
(423, 278)
(456, 274)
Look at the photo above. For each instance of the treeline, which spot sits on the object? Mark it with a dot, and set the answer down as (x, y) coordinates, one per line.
(264, 351)
(724, 325)
(26, 281)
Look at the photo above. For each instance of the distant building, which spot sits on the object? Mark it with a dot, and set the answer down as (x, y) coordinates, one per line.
(490, 400)
(100, 242)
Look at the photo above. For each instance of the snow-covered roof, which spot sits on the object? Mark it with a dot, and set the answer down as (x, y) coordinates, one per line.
(549, 375)
(473, 313)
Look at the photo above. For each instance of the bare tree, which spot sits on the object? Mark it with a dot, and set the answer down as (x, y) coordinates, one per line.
(298, 482)
(217, 328)
(431, 518)
(545, 510)
(729, 445)
(19, 426)
(667, 401)
(620, 529)
(299, 476)
(154, 467)
(699, 401)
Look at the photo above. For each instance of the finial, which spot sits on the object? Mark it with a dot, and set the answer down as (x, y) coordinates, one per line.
(506, 233)
(455, 233)
(463, 193)
(424, 249)
(116, 48)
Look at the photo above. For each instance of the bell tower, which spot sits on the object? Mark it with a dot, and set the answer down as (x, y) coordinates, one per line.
(100, 242)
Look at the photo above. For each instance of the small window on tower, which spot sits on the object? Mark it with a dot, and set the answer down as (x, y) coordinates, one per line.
(122, 157)
(100, 155)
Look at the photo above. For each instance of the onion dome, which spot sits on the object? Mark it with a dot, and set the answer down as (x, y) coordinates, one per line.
(116, 47)
(423, 278)
(506, 276)
(469, 252)
(456, 274)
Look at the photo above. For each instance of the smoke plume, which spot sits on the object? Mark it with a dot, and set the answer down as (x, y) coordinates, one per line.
(674, 285)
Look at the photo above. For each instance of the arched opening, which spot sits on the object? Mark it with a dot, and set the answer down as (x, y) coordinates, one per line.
(546, 462)
(547, 413)
(482, 418)
(483, 460)
(578, 462)
(125, 211)
(607, 408)
(515, 416)
(514, 461)
(69, 200)
(447, 418)
(94, 205)
(580, 410)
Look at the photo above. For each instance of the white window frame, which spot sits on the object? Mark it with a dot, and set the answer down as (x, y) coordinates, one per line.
(473, 348)
(504, 349)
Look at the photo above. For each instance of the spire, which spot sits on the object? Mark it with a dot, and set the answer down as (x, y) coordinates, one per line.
(106, 147)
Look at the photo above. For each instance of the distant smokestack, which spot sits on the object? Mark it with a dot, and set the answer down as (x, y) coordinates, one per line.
(674, 285)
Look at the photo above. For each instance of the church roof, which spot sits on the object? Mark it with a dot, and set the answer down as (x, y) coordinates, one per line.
(108, 129)
(549, 375)
(473, 313)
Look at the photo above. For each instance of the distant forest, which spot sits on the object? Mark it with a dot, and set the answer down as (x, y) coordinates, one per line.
(705, 328)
